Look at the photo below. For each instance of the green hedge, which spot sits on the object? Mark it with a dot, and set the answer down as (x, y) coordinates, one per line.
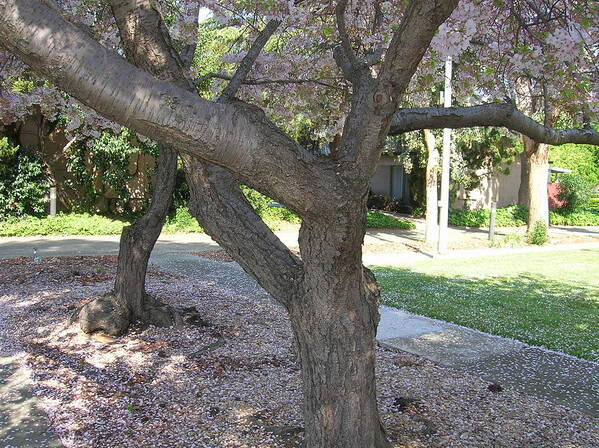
(515, 216)
(63, 224)
(512, 216)
(580, 217)
(180, 222)
(380, 220)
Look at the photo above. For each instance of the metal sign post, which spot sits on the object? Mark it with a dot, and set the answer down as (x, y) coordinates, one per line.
(445, 162)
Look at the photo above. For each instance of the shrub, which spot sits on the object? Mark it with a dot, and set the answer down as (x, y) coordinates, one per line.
(23, 185)
(581, 217)
(538, 234)
(575, 190)
(380, 220)
(387, 204)
(63, 224)
(181, 222)
(512, 216)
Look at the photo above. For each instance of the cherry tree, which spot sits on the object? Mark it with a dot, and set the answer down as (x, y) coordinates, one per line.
(376, 49)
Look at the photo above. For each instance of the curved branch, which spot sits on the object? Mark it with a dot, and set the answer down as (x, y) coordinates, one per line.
(492, 114)
(216, 200)
(232, 135)
(248, 61)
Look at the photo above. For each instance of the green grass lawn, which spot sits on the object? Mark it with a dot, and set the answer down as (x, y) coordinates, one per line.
(548, 299)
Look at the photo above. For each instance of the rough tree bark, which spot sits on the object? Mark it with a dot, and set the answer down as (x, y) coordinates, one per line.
(129, 302)
(332, 300)
(524, 178)
(538, 201)
(431, 230)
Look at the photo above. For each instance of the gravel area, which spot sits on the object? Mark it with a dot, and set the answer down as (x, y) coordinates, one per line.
(232, 379)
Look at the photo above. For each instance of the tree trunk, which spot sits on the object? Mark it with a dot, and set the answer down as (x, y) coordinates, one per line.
(524, 174)
(431, 230)
(538, 204)
(334, 324)
(129, 301)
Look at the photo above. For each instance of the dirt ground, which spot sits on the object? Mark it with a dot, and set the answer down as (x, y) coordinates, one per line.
(231, 380)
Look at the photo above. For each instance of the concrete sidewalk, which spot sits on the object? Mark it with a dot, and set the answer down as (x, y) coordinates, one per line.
(553, 376)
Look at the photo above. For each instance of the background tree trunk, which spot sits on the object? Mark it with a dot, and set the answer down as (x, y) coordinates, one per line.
(431, 230)
(129, 301)
(524, 174)
(334, 323)
(538, 203)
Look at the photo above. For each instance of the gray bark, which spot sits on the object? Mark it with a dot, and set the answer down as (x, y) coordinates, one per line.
(492, 114)
(538, 201)
(129, 301)
(331, 298)
(524, 179)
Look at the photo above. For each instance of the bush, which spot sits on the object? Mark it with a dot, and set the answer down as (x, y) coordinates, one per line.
(512, 216)
(63, 224)
(387, 204)
(581, 217)
(23, 185)
(575, 190)
(181, 222)
(513, 239)
(380, 220)
(538, 234)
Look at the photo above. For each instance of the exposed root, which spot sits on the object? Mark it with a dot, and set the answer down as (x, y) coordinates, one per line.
(109, 315)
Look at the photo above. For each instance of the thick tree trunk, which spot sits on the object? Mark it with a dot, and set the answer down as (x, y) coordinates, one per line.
(538, 204)
(431, 230)
(524, 174)
(334, 324)
(129, 301)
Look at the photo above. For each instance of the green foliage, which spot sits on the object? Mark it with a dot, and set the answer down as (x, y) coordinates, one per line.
(260, 203)
(479, 152)
(106, 160)
(511, 216)
(181, 222)
(23, 185)
(380, 220)
(512, 239)
(538, 234)
(583, 160)
(63, 224)
(580, 217)
(575, 190)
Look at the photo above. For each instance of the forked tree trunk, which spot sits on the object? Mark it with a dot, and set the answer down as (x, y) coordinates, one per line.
(538, 202)
(129, 301)
(524, 174)
(431, 230)
(334, 324)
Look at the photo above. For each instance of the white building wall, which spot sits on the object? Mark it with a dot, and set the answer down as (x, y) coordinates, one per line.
(501, 188)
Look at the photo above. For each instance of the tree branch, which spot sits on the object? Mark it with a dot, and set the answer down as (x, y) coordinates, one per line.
(249, 59)
(421, 21)
(493, 114)
(235, 136)
(346, 46)
(216, 200)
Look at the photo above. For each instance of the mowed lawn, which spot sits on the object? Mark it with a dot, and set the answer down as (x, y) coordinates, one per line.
(548, 299)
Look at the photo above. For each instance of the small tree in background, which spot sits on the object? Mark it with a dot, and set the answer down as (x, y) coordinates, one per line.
(576, 191)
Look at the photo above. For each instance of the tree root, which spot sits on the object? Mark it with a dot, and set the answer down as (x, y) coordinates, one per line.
(109, 315)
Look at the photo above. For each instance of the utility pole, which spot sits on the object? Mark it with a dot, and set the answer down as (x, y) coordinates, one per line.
(445, 161)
